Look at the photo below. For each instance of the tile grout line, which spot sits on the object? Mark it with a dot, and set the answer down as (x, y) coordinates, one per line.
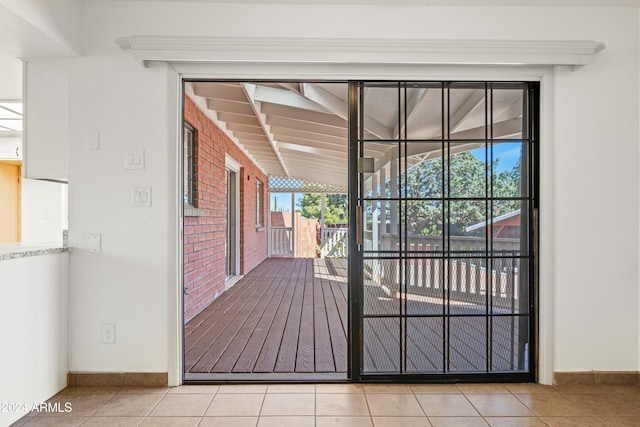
(413, 391)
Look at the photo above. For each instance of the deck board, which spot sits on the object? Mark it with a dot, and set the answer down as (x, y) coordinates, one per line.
(287, 319)
(336, 327)
(255, 333)
(225, 334)
(208, 331)
(286, 357)
(266, 361)
(305, 358)
(323, 349)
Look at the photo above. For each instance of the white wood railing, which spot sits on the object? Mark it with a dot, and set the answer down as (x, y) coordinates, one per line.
(466, 273)
(281, 242)
(335, 243)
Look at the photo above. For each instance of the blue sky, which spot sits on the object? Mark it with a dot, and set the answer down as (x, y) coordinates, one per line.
(284, 201)
(508, 153)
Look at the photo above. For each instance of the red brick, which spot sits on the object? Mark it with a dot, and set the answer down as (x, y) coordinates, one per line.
(204, 237)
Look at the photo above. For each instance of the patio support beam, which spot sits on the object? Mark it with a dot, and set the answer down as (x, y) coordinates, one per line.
(322, 221)
(293, 224)
(383, 194)
(286, 97)
(412, 105)
(374, 212)
(375, 226)
(250, 91)
(458, 117)
(393, 181)
(269, 225)
(340, 108)
(470, 104)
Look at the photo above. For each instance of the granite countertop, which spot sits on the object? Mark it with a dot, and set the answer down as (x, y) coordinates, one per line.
(24, 250)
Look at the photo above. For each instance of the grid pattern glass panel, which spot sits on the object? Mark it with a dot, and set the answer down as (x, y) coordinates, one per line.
(447, 219)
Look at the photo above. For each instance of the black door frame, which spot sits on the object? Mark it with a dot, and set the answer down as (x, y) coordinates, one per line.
(356, 263)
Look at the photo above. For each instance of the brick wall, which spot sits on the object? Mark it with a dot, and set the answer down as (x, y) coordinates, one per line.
(204, 235)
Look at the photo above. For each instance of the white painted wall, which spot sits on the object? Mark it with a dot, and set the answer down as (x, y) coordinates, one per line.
(590, 214)
(44, 206)
(33, 326)
(129, 281)
(331, 20)
(638, 13)
(10, 77)
(596, 154)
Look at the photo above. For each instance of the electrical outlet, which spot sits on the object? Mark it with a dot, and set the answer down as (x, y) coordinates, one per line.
(108, 333)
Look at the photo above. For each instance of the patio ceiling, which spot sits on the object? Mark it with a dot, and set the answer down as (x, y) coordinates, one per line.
(295, 130)
(299, 129)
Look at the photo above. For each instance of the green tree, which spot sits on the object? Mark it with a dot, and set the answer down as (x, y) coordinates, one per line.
(335, 212)
(467, 179)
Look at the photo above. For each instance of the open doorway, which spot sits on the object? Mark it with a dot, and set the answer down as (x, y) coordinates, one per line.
(265, 281)
(231, 242)
(231, 220)
(442, 184)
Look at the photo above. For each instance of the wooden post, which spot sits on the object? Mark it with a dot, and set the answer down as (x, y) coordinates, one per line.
(393, 182)
(293, 225)
(322, 222)
(375, 226)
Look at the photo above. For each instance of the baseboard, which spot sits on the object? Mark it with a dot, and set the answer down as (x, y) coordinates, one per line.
(596, 377)
(117, 379)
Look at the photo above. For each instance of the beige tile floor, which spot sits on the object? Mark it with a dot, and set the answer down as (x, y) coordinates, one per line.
(320, 405)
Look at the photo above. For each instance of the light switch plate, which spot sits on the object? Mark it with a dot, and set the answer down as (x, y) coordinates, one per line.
(95, 243)
(134, 159)
(140, 197)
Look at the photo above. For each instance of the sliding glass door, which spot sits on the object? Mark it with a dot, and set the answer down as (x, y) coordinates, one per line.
(444, 195)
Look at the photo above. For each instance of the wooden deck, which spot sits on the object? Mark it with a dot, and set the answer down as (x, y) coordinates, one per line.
(466, 341)
(285, 320)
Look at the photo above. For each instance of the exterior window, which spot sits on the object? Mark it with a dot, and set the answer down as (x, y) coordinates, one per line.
(189, 182)
(259, 204)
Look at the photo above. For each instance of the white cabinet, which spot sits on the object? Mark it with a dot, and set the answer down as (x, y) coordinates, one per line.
(10, 148)
(33, 303)
(46, 142)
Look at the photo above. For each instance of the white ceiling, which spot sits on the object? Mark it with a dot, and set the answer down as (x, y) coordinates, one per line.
(300, 129)
(296, 130)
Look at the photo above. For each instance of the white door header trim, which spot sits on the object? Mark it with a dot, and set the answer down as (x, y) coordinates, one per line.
(180, 49)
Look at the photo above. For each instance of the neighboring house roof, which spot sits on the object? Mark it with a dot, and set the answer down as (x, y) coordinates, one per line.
(493, 221)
